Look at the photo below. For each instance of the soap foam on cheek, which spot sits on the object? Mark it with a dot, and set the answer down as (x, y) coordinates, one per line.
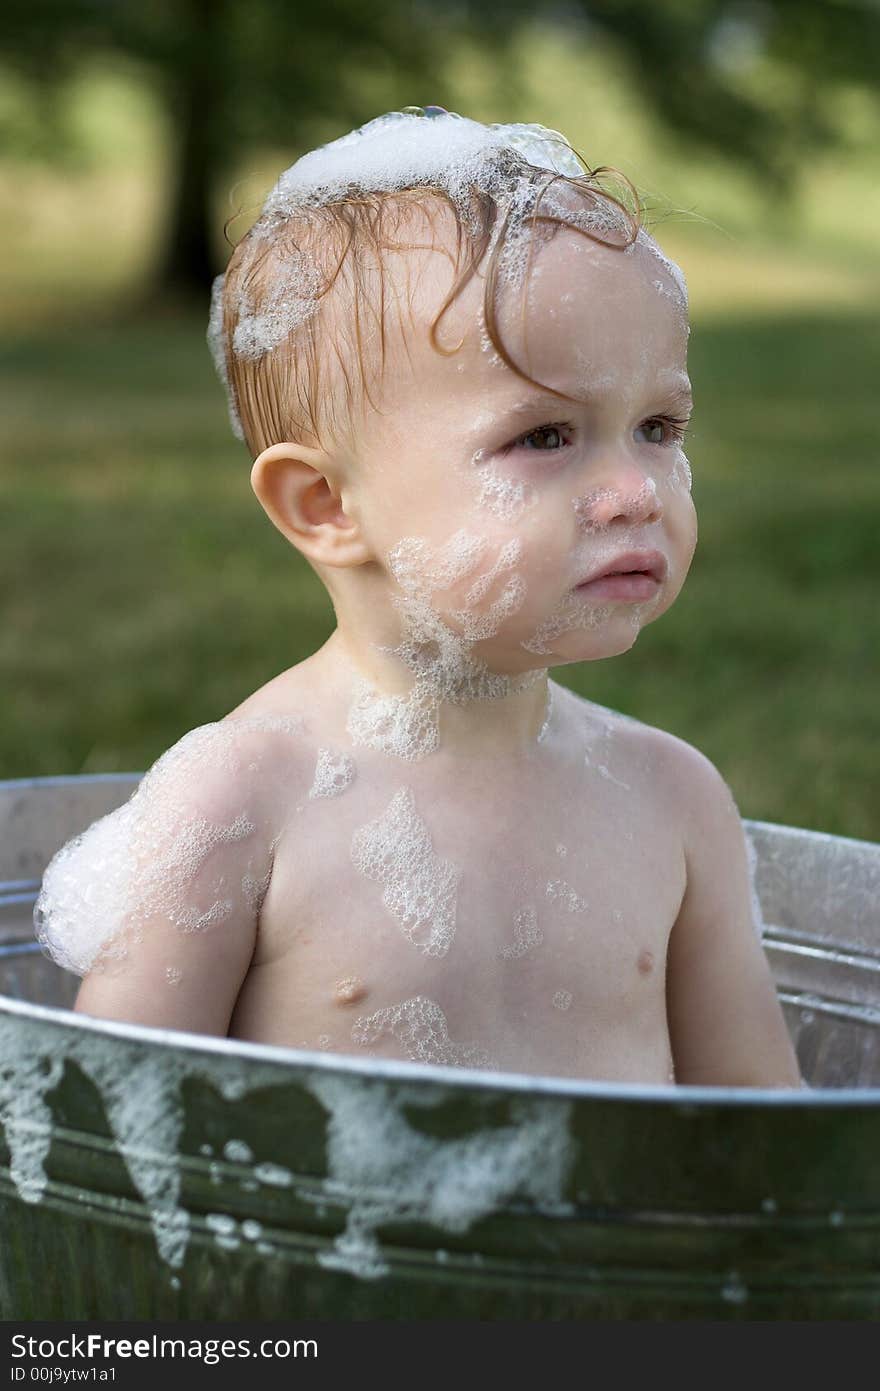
(440, 659)
(489, 489)
(681, 476)
(571, 614)
(423, 573)
(505, 498)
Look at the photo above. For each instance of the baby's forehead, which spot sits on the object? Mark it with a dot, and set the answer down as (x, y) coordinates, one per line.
(573, 290)
(549, 265)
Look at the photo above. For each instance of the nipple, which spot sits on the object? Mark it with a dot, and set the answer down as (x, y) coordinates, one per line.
(349, 990)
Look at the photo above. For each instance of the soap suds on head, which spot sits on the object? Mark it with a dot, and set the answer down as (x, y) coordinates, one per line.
(286, 305)
(400, 150)
(420, 888)
(678, 294)
(285, 268)
(217, 349)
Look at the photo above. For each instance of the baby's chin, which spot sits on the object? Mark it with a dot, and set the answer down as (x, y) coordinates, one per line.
(582, 631)
(587, 637)
(588, 645)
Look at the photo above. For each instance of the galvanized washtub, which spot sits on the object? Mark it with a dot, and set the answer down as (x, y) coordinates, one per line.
(149, 1174)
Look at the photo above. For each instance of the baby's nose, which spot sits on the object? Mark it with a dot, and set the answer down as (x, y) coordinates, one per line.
(632, 498)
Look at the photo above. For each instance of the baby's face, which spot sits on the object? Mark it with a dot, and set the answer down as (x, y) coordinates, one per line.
(494, 503)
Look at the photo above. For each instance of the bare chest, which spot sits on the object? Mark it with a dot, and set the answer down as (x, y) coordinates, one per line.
(487, 920)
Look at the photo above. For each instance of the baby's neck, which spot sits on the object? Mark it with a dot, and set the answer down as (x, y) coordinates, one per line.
(436, 706)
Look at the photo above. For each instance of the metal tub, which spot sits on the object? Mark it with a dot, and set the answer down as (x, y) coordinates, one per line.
(150, 1174)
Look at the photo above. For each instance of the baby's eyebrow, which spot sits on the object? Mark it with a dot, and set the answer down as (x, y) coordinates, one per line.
(675, 391)
(534, 403)
(682, 395)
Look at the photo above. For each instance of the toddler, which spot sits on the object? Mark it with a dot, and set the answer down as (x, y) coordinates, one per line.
(459, 363)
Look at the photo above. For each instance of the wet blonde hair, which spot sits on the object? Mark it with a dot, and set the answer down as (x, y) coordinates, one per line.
(309, 387)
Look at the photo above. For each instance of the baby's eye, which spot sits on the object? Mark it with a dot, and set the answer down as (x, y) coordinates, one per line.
(665, 429)
(553, 437)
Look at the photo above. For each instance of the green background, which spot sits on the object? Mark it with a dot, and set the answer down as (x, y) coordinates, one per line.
(146, 592)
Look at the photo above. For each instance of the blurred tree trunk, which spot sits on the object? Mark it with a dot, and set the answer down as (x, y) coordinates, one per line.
(186, 261)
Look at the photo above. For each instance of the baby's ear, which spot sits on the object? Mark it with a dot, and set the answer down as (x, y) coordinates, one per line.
(300, 490)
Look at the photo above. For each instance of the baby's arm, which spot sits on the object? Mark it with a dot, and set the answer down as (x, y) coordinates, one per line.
(158, 904)
(725, 1023)
(175, 981)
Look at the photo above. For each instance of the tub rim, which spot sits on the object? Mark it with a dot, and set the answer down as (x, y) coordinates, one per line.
(404, 1072)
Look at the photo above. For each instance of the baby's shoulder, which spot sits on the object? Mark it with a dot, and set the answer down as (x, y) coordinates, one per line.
(683, 775)
(202, 816)
(219, 764)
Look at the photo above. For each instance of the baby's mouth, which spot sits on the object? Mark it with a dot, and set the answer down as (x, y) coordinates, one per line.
(634, 576)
